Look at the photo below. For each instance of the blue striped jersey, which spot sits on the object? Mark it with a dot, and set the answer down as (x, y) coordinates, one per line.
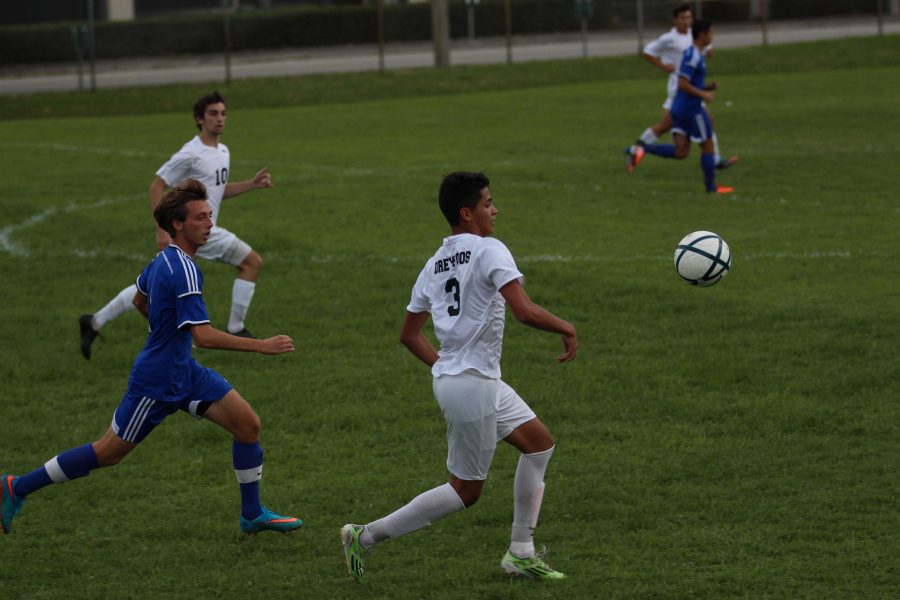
(172, 283)
(692, 68)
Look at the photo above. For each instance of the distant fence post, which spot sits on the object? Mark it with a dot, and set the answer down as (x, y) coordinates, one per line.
(640, 24)
(226, 31)
(698, 9)
(381, 36)
(764, 20)
(92, 38)
(440, 32)
(507, 11)
(880, 17)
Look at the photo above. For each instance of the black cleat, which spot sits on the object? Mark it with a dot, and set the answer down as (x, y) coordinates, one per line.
(244, 334)
(724, 163)
(88, 334)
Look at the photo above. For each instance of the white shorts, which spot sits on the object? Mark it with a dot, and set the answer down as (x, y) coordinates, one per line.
(224, 246)
(479, 412)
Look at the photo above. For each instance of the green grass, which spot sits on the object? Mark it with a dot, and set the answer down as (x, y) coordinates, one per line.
(732, 442)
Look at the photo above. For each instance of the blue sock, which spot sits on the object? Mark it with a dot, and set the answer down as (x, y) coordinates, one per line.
(708, 164)
(664, 150)
(71, 464)
(248, 460)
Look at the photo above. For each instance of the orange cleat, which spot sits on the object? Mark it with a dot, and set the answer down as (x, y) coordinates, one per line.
(724, 189)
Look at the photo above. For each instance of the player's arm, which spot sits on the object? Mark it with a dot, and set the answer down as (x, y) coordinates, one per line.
(140, 303)
(412, 336)
(528, 312)
(685, 86)
(207, 336)
(656, 62)
(157, 191)
(261, 180)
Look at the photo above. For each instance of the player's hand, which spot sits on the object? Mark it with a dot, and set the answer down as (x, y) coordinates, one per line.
(570, 348)
(162, 238)
(709, 96)
(262, 179)
(712, 85)
(278, 344)
(669, 68)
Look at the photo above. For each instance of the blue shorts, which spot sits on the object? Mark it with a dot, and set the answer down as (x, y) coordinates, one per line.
(138, 414)
(695, 125)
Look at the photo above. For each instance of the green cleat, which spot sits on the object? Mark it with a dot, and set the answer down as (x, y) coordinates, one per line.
(533, 567)
(9, 502)
(269, 521)
(354, 552)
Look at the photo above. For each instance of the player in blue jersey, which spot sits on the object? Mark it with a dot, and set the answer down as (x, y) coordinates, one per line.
(690, 119)
(165, 377)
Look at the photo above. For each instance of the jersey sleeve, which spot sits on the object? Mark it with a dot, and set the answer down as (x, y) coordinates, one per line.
(498, 265)
(689, 61)
(190, 309)
(141, 283)
(176, 169)
(658, 46)
(419, 302)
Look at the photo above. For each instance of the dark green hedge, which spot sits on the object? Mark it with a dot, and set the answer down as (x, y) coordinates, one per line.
(342, 25)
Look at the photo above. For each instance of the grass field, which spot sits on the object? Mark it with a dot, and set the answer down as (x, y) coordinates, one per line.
(733, 442)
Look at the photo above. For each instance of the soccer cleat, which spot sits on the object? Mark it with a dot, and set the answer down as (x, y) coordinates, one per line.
(724, 189)
(88, 334)
(269, 521)
(724, 163)
(354, 552)
(244, 334)
(634, 155)
(533, 567)
(10, 504)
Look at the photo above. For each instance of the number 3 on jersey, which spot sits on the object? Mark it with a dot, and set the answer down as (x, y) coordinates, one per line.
(452, 287)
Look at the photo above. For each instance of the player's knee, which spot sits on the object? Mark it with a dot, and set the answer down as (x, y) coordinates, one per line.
(248, 431)
(110, 454)
(469, 497)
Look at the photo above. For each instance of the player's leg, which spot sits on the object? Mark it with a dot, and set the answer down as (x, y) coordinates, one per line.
(133, 420)
(235, 415)
(704, 131)
(721, 161)
(225, 247)
(519, 427)
(467, 402)
(242, 293)
(90, 324)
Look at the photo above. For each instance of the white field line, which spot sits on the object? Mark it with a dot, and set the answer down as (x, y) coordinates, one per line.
(17, 249)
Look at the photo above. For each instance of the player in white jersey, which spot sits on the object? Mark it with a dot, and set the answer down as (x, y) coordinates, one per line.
(205, 159)
(665, 53)
(463, 288)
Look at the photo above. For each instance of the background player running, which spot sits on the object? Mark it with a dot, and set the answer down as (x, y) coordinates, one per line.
(690, 119)
(665, 53)
(165, 377)
(207, 160)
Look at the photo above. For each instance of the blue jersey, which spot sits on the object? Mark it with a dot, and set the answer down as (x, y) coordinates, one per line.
(692, 68)
(164, 368)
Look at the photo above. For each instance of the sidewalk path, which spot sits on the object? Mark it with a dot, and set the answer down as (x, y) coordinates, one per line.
(210, 68)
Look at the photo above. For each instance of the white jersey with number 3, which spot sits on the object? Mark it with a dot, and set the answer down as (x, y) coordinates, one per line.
(460, 286)
(206, 164)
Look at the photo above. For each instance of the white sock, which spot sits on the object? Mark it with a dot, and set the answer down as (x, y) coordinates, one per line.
(528, 493)
(422, 511)
(716, 147)
(118, 306)
(648, 137)
(241, 295)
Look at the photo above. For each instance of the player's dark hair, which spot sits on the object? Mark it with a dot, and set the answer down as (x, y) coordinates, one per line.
(173, 206)
(458, 190)
(681, 8)
(201, 104)
(700, 26)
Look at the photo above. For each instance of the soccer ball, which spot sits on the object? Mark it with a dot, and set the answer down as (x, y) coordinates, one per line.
(702, 258)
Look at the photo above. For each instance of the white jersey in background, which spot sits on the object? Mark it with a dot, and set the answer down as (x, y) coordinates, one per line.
(460, 286)
(206, 164)
(668, 48)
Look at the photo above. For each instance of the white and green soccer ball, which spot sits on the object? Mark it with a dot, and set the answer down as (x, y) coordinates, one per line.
(702, 258)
